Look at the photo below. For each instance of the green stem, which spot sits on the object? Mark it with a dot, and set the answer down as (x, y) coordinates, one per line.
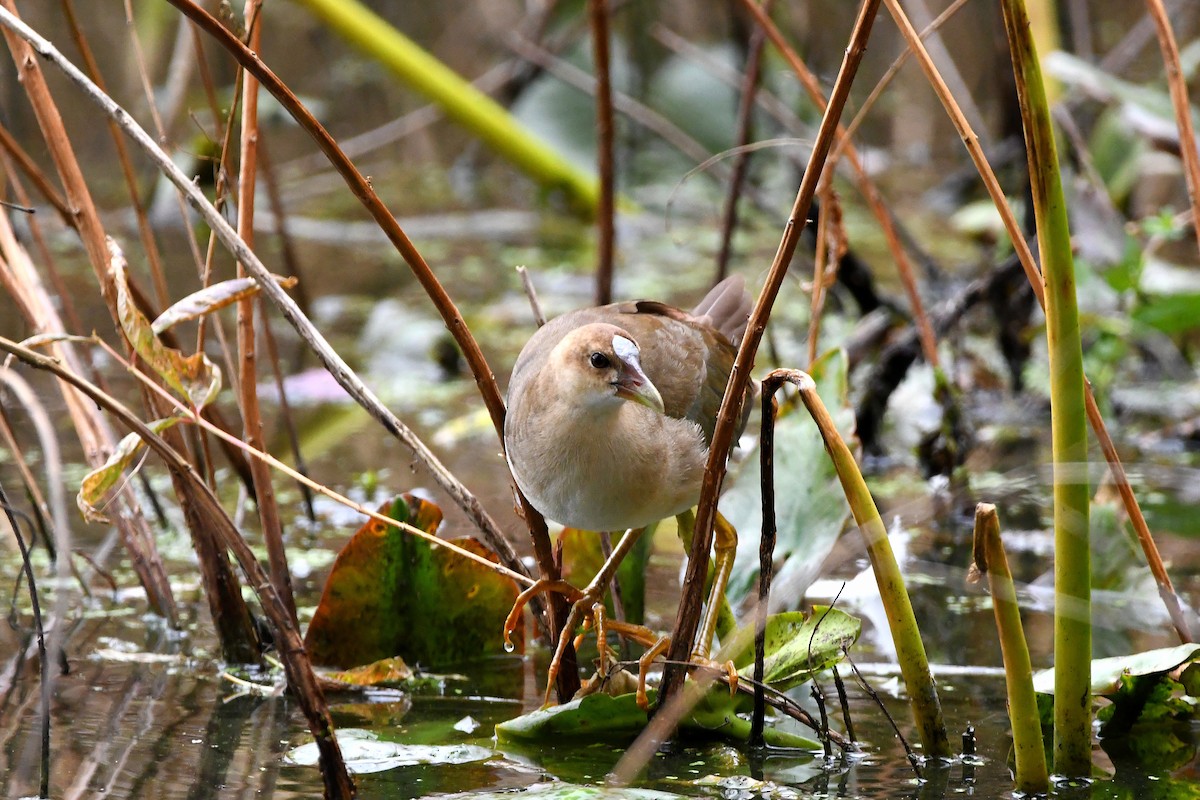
(989, 559)
(461, 101)
(910, 650)
(1068, 416)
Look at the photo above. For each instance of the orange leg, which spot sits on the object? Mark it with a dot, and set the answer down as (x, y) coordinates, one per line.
(543, 585)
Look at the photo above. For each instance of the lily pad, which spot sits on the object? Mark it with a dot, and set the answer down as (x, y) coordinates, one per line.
(600, 716)
(365, 751)
(391, 593)
(810, 507)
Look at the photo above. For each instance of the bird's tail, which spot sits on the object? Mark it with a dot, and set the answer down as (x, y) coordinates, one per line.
(726, 307)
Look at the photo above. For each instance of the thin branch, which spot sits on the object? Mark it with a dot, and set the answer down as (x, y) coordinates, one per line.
(1178, 89)
(605, 211)
(301, 678)
(688, 616)
(252, 427)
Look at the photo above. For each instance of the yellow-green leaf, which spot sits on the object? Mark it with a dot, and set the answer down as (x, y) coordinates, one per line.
(212, 298)
(97, 483)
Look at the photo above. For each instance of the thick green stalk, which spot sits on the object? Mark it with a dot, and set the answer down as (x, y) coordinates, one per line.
(1068, 414)
(461, 101)
(989, 559)
(910, 650)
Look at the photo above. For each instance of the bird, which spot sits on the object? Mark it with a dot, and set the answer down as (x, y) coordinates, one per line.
(611, 412)
(611, 409)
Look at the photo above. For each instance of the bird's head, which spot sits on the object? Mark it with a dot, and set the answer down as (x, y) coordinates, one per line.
(600, 363)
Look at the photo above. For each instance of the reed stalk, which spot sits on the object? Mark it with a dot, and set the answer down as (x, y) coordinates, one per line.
(1068, 412)
(989, 559)
(461, 101)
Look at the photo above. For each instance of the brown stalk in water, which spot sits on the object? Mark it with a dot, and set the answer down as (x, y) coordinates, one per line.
(252, 427)
(1178, 89)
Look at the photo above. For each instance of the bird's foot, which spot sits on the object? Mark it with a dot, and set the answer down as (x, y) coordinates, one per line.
(510, 623)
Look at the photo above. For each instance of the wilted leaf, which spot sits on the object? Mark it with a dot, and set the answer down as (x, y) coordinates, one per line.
(385, 671)
(194, 376)
(213, 298)
(810, 507)
(796, 645)
(365, 751)
(391, 593)
(97, 483)
(583, 557)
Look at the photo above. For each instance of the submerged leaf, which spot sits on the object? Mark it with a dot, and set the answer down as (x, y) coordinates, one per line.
(97, 483)
(810, 507)
(213, 298)
(194, 376)
(366, 752)
(391, 593)
(377, 673)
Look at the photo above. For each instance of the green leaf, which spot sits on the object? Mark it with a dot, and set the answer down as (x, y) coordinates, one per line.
(1107, 673)
(567, 791)
(1170, 313)
(367, 751)
(391, 593)
(796, 645)
(599, 717)
(810, 507)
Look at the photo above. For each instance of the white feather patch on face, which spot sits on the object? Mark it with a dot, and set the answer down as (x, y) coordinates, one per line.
(626, 350)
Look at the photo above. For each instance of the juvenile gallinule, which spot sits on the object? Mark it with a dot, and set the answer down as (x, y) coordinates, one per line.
(610, 414)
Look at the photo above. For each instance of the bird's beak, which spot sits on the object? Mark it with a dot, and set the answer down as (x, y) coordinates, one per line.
(632, 383)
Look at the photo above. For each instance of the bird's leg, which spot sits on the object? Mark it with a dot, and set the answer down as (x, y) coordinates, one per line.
(543, 585)
(582, 602)
(724, 549)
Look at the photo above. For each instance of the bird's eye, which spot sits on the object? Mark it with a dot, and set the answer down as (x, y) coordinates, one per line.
(599, 361)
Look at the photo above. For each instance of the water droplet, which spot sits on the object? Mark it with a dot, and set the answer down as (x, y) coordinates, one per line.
(509, 646)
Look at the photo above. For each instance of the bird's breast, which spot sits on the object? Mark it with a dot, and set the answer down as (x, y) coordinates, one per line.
(630, 470)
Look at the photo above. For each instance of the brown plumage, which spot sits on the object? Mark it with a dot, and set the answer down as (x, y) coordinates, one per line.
(611, 409)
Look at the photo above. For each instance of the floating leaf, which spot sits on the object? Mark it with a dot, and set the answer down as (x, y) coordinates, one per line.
(1108, 672)
(567, 791)
(97, 483)
(601, 716)
(583, 557)
(194, 376)
(213, 298)
(810, 507)
(391, 593)
(795, 645)
(365, 751)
